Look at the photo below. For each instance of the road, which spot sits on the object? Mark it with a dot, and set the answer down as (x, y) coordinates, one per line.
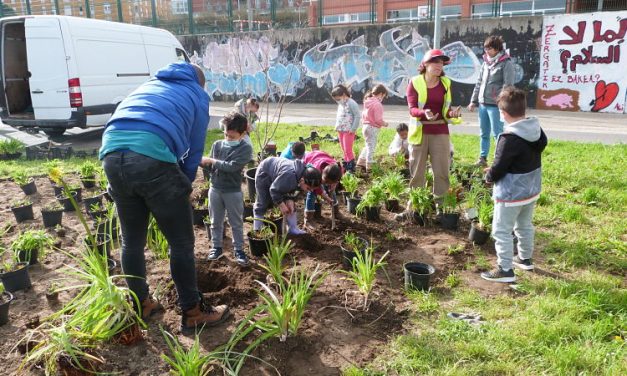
(568, 126)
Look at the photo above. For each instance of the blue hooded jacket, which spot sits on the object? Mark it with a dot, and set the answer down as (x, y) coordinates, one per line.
(173, 106)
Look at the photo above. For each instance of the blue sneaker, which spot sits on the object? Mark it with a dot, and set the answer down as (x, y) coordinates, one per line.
(240, 257)
(215, 254)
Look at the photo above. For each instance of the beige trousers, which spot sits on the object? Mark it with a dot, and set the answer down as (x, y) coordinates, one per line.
(438, 148)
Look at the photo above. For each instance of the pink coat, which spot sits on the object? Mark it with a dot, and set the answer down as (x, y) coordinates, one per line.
(373, 112)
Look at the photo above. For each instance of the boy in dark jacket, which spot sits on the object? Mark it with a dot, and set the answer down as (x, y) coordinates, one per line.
(275, 180)
(226, 161)
(517, 177)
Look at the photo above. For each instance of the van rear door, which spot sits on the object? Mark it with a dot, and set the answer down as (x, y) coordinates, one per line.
(47, 64)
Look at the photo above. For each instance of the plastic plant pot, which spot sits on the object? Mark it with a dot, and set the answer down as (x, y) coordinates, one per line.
(5, 302)
(23, 213)
(52, 218)
(17, 279)
(418, 275)
(478, 236)
(250, 183)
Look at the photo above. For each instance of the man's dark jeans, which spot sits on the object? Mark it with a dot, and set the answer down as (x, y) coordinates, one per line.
(141, 185)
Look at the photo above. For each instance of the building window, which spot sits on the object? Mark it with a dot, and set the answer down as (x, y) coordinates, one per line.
(482, 10)
(451, 11)
(549, 6)
(514, 8)
(402, 15)
(517, 7)
(106, 8)
(67, 10)
(346, 18)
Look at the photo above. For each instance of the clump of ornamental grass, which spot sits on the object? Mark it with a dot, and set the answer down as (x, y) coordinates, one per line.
(156, 241)
(364, 272)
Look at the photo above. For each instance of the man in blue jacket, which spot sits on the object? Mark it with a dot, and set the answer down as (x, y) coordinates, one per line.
(151, 148)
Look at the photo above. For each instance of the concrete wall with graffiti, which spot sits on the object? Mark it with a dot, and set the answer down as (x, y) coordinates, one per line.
(584, 63)
(305, 64)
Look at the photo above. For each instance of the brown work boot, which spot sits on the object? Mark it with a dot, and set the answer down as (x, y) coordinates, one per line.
(149, 308)
(203, 315)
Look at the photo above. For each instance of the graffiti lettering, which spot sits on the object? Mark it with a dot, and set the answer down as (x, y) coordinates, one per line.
(546, 49)
(556, 79)
(582, 79)
(613, 56)
(610, 35)
(575, 37)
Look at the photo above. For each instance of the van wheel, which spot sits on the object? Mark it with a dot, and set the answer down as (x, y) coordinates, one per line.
(53, 132)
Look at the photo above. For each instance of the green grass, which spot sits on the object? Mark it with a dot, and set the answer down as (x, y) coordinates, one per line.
(557, 328)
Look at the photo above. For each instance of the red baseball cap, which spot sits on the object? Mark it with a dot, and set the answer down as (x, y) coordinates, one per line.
(436, 53)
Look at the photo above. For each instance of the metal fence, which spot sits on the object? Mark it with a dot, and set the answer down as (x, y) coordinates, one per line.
(213, 16)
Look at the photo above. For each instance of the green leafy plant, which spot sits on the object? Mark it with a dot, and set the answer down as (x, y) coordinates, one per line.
(354, 243)
(453, 280)
(184, 362)
(21, 202)
(421, 200)
(10, 146)
(485, 210)
(263, 233)
(21, 178)
(475, 195)
(156, 241)
(285, 308)
(52, 206)
(31, 240)
(449, 202)
(454, 249)
(372, 198)
(350, 183)
(393, 184)
(400, 161)
(278, 248)
(59, 344)
(364, 272)
(88, 170)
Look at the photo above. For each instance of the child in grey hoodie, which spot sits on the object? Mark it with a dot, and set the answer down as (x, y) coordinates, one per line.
(275, 180)
(517, 177)
(226, 161)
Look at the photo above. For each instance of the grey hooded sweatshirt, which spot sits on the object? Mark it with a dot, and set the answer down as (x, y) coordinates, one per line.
(226, 173)
(276, 178)
(517, 167)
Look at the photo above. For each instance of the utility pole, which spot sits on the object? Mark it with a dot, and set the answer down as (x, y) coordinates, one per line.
(437, 24)
(249, 7)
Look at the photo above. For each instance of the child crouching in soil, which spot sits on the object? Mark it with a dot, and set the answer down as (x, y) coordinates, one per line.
(275, 180)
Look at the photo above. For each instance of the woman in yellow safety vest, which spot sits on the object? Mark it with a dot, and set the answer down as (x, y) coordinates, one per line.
(429, 102)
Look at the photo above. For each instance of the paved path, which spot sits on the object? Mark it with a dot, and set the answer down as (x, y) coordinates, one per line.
(568, 126)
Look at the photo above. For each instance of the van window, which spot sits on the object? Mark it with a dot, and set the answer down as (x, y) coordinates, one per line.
(181, 55)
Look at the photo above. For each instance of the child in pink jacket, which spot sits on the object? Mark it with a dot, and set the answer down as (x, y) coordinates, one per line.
(372, 119)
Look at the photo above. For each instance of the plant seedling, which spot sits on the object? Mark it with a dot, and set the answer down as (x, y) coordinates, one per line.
(421, 200)
(393, 184)
(364, 272)
(372, 198)
(10, 146)
(350, 183)
(454, 249)
(21, 178)
(88, 170)
(353, 242)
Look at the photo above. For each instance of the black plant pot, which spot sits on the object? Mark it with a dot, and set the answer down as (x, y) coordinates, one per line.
(372, 213)
(79, 193)
(88, 202)
(405, 173)
(107, 227)
(417, 275)
(248, 209)
(58, 189)
(258, 247)
(419, 218)
(88, 182)
(207, 228)
(278, 222)
(29, 188)
(66, 202)
(103, 244)
(23, 213)
(348, 254)
(5, 302)
(477, 235)
(29, 257)
(206, 173)
(250, 183)
(51, 218)
(352, 203)
(392, 205)
(17, 279)
(449, 221)
(199, 216)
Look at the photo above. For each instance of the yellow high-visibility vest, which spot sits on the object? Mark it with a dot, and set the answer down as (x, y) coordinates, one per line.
(420, 85)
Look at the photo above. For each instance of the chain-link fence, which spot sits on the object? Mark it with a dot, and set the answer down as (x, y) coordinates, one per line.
(212, 16)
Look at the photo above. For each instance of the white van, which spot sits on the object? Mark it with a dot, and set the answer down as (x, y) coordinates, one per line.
(61, 72)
